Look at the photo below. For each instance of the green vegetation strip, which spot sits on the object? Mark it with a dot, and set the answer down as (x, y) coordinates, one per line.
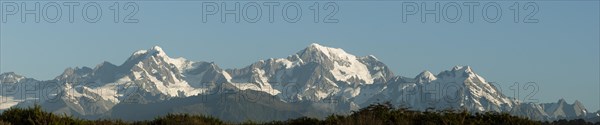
(376, 114)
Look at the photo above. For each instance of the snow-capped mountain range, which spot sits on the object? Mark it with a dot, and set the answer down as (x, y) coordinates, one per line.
(315, 81)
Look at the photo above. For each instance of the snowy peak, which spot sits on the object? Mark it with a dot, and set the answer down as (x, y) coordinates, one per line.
(578, 106)
(317, 70)
(151, 68)
(425, 77)
(341, 65)
(578, 103)
(157, 48)
(562, 101)
(318, 53)
(157, 55)
(155, 51)
(466, 69)
(562, 109)
(104, 64)
(71, 74)
(152, 51)
(319, 47)
(459, 72)
(372, 57)
(10, 77)
(425, 74)
(478, 94)
(379, 71)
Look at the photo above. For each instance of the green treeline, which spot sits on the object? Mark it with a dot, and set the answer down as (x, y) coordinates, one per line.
(376, 114)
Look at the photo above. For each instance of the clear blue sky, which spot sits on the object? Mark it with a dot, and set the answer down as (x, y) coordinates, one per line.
(560, 53)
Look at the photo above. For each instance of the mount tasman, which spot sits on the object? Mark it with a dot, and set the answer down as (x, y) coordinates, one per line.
(315, 82)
